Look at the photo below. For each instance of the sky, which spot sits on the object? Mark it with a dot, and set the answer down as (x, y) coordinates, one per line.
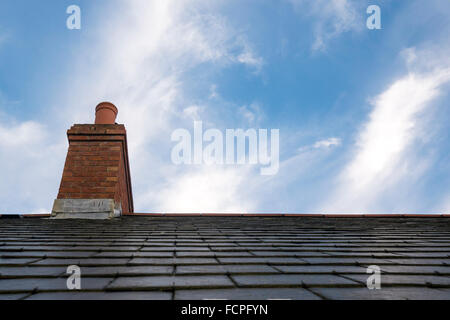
(362, 113)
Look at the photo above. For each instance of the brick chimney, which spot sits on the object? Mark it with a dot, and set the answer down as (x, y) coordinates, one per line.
(96, 181)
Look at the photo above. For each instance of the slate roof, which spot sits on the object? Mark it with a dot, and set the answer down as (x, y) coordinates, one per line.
(195, 257)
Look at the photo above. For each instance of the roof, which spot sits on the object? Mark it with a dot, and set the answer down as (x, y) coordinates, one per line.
(207, 257)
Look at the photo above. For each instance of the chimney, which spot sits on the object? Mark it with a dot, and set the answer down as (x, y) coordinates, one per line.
(96, 181)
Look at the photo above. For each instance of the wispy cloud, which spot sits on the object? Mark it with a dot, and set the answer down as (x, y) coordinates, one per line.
(252, 113)
(388, 145)
(330, 142)
(321, 144)
(331, 18)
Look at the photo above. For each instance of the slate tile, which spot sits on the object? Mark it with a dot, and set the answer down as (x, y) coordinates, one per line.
(31, 271)
(291, 280)
(159, 244)
(128, 270)
(152, 261)
(56, 262)
(188, 261)
(259, 260)
(116, 248)
(121, 254)
(83, 262)
(15, 261)
(281, 253)
(191, 248)
(23, 254)
(340, 260)
(417, 269)
(149, 254)
(410, 293)
(162, 282)
(224, 269)
(195, 254)
(130, 295)
(246, 294)
(12, 296)
(68, 254)
(326, 269)
(46, 284)
(154, 249)
(223, 254)
(413, 261)
(426, 254)
(358, 255)
(411, 280)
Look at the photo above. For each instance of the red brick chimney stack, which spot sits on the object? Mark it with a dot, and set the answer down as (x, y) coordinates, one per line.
(96, 181)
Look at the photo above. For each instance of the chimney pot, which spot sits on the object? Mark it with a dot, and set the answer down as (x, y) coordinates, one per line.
(105, 113)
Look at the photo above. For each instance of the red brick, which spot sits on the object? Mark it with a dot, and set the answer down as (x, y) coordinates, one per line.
(97, 165)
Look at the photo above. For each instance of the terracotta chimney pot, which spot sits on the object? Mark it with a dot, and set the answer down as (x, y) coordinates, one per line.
(105, 113)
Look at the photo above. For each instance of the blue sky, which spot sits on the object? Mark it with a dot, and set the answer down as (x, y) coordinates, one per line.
(363, 114)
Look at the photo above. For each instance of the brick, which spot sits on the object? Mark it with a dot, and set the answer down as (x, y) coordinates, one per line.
(96, 152)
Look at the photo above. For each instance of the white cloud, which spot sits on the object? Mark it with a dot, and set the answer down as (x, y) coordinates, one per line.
(203, 190)
(388, 146)
(331, 18)
(29, 159)
(330, 142)
(252, 113)
(193, 112)
(22, 134)
(248, 57)
(321, 144)
(213, 94)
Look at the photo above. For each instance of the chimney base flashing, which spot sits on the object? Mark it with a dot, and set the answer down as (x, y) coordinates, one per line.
(99, 209)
